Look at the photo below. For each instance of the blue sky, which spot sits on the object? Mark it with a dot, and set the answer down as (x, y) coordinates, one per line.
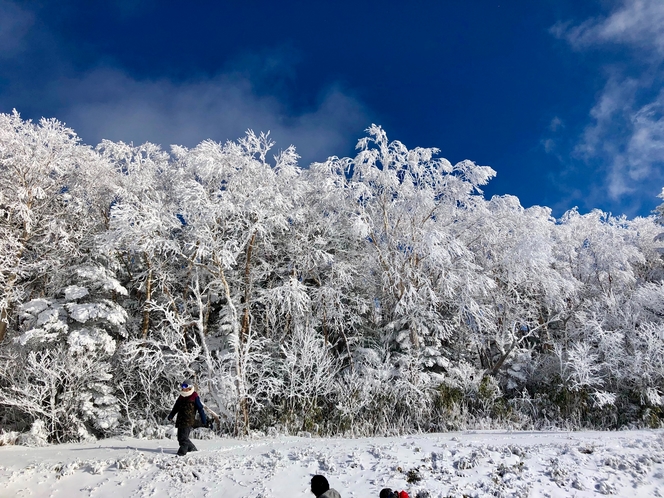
(563, 98)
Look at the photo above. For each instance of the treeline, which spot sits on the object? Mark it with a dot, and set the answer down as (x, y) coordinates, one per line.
(370, 295)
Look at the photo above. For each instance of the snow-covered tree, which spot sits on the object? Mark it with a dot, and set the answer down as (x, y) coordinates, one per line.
(371, 294)
(45, 219)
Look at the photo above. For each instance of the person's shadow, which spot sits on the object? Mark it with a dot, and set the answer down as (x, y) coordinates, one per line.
(148, 450)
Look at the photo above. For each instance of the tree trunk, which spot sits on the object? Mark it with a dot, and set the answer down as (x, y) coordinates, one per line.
(4, 322)
(239, 371)
(5, 312)
(247, 289)
(246, 323)
(325, 322)
(146, 304)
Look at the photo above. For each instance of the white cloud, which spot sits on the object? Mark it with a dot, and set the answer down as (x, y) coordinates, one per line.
(626, 132)
(612, 109)
(646, 145)
(250, 92)
(15, 23)
(556, 124)
(107, 103)
(639, 23)
(549, 145)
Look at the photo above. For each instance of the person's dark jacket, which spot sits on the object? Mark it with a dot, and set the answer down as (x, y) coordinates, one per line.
(185, 409)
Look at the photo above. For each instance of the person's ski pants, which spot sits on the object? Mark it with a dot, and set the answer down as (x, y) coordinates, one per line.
(185, 443)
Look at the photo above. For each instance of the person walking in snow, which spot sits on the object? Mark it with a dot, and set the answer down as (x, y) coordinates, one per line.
(321, 488)
(185, 408)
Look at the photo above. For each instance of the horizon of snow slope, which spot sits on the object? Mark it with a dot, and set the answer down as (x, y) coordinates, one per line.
(471, 463)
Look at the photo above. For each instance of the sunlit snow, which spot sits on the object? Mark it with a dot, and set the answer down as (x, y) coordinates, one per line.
(555, 464)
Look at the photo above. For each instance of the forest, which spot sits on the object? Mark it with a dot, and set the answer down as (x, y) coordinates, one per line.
(374, 295)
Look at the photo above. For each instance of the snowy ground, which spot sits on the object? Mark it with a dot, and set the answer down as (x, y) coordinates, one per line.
(482, 463)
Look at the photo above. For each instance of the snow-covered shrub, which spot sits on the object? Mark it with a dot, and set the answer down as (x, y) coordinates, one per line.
(37, 436)
(59, 369)
(69, 392)
(308, 369)
(9, 438)
(381, 397)
(465, 394)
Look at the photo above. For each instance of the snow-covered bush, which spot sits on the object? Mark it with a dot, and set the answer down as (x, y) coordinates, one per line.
(308, 369)
(63, 359)
(382, 395)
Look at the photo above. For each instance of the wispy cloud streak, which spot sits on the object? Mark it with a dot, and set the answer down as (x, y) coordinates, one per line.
(638, 23)
(626, 132)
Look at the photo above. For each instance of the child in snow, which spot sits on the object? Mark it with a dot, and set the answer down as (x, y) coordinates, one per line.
(321, 488)
(185, 408)
(388, 493)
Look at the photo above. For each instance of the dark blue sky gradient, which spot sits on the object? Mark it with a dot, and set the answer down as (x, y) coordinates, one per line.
(484, 80)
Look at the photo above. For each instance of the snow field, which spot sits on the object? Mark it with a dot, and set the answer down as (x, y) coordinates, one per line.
(475, 464)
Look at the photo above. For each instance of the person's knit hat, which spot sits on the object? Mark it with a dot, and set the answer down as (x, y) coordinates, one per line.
(187, 388)
(319, 485)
